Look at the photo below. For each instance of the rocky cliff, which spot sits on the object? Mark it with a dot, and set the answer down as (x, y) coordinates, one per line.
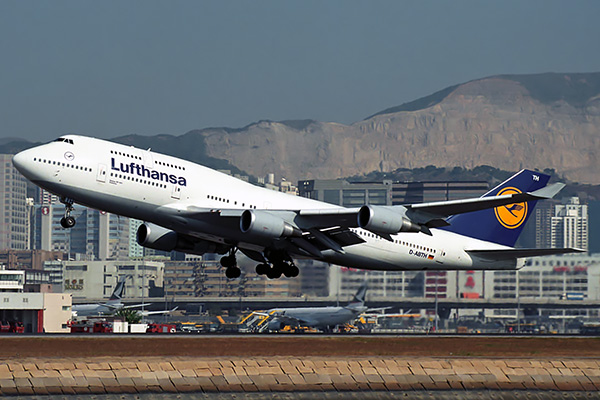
(509, 122)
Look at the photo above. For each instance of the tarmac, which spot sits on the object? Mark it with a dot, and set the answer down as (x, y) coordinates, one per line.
(286, 367)
(332, 377)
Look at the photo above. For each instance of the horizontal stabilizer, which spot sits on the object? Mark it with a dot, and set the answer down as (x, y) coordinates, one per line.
(508, 254)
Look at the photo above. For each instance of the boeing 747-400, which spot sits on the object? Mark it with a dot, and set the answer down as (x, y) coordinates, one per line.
(194, 209)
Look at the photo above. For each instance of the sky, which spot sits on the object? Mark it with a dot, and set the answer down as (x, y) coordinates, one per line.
(113, 68)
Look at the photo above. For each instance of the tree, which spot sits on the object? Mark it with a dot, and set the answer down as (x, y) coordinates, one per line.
(129, 315)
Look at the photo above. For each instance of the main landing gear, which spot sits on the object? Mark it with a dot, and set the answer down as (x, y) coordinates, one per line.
(281, 264)
(229, 262)
(67, 221)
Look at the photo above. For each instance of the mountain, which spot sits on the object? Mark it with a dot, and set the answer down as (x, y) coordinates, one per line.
(509, 122)
(541, 121)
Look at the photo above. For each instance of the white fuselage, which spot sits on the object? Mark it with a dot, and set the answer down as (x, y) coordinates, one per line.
(161, 189)
(317, 317)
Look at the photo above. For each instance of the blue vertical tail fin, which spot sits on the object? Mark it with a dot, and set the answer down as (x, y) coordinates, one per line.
(504, 224)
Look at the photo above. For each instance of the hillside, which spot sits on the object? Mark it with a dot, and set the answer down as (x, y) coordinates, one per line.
(543, 121)
(508, 122)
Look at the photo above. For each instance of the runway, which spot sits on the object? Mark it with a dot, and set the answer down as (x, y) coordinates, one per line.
(81, 365)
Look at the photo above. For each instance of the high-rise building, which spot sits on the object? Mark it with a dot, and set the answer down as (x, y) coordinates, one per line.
(569, 225)
(135, 250)
(14, 225)
(96, 236)
(425, 192)
(544, 211)
(347, 194)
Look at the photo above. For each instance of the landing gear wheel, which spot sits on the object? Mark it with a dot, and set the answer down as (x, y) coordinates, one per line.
(228, 261)
(274, 273)
(233, 272)
(291, 271)
(262, 269)
(67, 222)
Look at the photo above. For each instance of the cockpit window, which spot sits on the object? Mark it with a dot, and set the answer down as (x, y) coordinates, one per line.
(60, 139)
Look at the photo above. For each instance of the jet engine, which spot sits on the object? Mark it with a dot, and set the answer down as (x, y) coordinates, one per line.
(275, 325)
(261, 223)
(384, 220)
(159, 238)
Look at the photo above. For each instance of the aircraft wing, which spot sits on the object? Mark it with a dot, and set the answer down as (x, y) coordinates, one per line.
(330, 228)
(136, 305)
(146, 313)
(442, 209)
(508, 254)
(348, 217)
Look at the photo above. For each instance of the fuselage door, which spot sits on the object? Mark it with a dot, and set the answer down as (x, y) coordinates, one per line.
(101, 176)
(148, 160)
(440, 256)
(176, 193)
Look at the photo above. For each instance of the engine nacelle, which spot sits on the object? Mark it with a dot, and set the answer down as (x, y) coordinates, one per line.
(379, 219)
(159, 238)
(262, 223)
(156, 237)
(275, 325)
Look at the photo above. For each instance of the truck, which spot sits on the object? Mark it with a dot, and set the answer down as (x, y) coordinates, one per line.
(161, 328)
(16, 327)
(91, 326)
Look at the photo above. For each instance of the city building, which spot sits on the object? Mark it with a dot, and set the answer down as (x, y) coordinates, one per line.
(344, 282)
(552, 277)
(11, 281)
(569, 225)
(426, 192)
(29, 259)
(135, 250)
(38, 312)
(97, 279)
(96, 236)
(347, 194)
(14, 226)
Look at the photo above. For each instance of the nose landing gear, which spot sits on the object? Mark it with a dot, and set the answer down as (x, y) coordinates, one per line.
(67, 221)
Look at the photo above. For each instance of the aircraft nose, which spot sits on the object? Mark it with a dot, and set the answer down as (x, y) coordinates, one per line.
(22, 161)
(18, 160)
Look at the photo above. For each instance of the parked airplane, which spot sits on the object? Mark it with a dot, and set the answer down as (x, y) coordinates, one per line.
(193, 209)
(325, 318)
(112, 305)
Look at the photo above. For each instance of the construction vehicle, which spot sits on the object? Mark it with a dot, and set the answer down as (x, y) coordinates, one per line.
(228, 325)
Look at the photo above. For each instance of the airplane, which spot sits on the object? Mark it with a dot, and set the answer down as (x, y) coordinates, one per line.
(325, 318)
(113, 304)
(194, 209)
